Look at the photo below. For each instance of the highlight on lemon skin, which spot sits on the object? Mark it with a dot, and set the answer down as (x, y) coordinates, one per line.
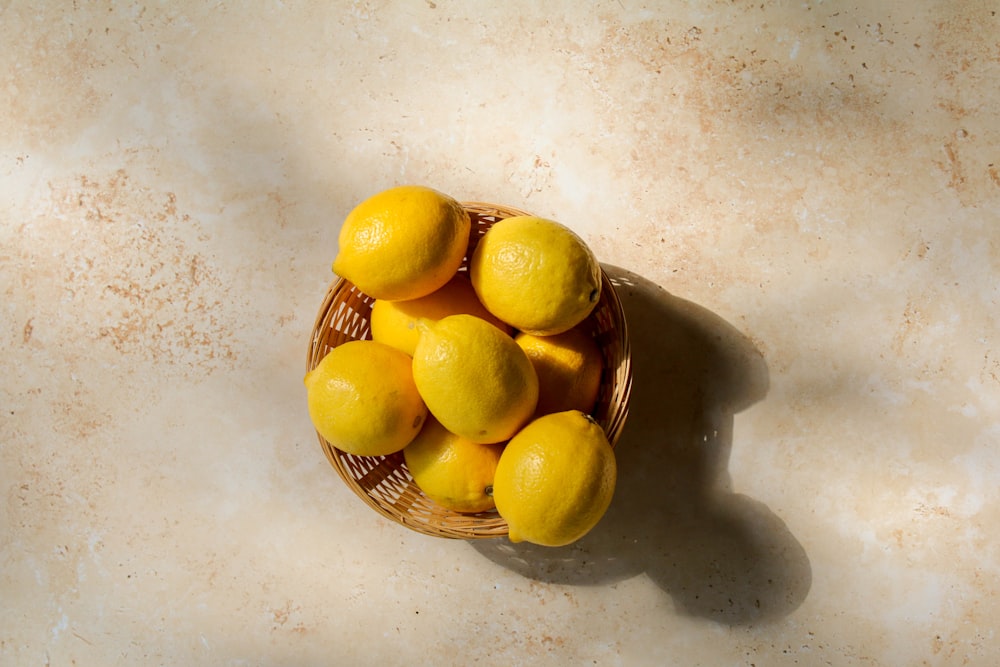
(403, 243)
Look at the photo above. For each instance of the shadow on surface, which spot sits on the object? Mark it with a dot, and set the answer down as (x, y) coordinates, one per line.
(719, 555)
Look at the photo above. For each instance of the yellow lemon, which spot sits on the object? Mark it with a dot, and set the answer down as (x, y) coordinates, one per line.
(453, 471)
(535, 274)
(568, 366)
(555, 479)
(362, 399)
(399, 323)
(474, 378)
(403, 243)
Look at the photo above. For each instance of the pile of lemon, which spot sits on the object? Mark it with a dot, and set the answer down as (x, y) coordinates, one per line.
(483, 379)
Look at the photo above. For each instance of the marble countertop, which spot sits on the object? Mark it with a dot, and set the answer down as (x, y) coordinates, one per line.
(799, 201)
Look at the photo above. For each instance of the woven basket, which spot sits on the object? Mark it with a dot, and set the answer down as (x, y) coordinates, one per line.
(383, 482)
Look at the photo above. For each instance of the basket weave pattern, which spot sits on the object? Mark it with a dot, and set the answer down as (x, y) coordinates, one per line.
(383, 482)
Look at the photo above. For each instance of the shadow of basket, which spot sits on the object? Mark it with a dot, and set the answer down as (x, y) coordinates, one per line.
(719, 555)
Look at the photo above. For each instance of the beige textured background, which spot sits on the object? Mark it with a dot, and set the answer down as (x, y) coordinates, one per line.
(800, 199)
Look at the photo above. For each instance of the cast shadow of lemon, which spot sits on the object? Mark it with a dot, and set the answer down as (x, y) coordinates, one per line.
(719, 555)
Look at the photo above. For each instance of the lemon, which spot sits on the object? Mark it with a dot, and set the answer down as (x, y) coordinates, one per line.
(555, 479)
(453, 471)
(399, 323)
(403, 243)
(568, 366)
(474, 378)
(362, 399)
(535, 274)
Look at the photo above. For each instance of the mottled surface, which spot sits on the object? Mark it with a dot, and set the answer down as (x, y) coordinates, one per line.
(800, 202)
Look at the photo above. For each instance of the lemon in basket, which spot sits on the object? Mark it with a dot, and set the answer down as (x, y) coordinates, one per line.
(474, 378)
(403, 243)
(399, 323)
(568, 366)
(453, 471)
(555, 479)
(535, 274)
(362, 399)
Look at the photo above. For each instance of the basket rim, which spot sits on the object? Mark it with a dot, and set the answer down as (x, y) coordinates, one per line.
(487, 206)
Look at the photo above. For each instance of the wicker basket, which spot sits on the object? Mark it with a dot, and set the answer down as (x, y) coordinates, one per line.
(383, 482)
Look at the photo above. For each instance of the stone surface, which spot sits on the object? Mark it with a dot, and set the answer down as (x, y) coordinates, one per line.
(799, 202)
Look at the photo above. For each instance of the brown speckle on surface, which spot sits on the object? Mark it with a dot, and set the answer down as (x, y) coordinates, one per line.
(159, 298)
